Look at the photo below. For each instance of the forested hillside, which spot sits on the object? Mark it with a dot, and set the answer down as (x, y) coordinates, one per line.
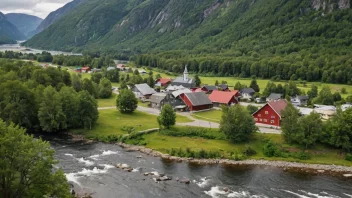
(282, 39)
(8, 32)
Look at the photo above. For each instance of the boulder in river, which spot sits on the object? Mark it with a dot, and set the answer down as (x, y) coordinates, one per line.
(146, 174)
(125, 166)
(139, 156)
(165, 178)
(185, 181)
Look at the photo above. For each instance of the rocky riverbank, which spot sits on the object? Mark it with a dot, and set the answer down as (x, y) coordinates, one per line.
(295, 166)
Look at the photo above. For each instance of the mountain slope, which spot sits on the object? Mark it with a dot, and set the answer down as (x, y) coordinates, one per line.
(25, 23)
(8, 31)
(57, 14)
(211, 26)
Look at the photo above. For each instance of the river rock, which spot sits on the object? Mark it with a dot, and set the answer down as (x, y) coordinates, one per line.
(161, 174)
(146, 174)
(177, 179)
(321, 171)
(125, 166)
(347, 175)
(118, 165)
(165, 178)
(225, 189)
(185, 181)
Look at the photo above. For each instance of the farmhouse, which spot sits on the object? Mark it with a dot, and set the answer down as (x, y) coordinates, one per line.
(274, 97)
(158, 100)
(223, 87)
(85, 69)
(325, 111)
(184, 80)
(300, 100)
(270, 113)
(223, 98)
(143, 91)
(196, 101)
(247, 93)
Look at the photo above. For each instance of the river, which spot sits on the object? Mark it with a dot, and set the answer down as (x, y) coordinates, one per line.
(90, 167)
(27, 50)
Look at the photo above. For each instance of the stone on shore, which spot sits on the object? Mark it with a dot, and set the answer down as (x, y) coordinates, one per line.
(185, 181)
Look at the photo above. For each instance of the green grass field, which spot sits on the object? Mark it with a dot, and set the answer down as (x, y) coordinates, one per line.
(212, 115)
(320, 155)
(107, 102)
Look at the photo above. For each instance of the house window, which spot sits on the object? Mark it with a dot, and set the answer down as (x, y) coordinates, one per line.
(266, 112)
(272, 116)
(265, 120)
(260, 120)
(259, 115)
(272, 121)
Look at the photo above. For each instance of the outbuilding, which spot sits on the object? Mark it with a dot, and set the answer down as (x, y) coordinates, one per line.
(196, 101)
(223, 98)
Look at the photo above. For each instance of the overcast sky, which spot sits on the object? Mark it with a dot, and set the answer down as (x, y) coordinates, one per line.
(40, 8)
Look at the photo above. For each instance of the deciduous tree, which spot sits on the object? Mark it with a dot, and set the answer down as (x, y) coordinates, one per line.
(126, 101)
(167, 116)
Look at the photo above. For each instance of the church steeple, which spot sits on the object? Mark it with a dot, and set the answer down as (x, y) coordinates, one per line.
(185, 74)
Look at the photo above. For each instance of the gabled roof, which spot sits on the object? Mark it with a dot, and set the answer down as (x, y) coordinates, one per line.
(181, 91)
(145, 89)
(85, 68)
(221, 96)
(210, 87)
(277, 106)
(174, 87)
(163, 80)
(223, 86)
(302, 97)
(234, 92)
(275, 96)
(158, 97)
(247, 90)
(182, 80)
(197, 90)
(198, 98)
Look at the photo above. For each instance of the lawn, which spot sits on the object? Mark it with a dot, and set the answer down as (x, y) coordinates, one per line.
(320, 155)
(111, 120)
(107, 102)
(211, 115)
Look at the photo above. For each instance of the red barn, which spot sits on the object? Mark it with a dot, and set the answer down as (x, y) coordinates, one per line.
(223, 98)
(196, 101)
(85, 69)
(270, 113)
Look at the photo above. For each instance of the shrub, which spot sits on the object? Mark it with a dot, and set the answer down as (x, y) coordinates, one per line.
(194, 132)
(348, 157)
(249, 151)
(302, 155)
(201, 154)
(271, 150)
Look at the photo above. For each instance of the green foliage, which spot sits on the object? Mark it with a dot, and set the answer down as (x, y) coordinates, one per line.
(96, 77)
(23, 171)
(348, 157)
(88, 85)
(197, 80)
(251, 109)
(249, 151)
(113, 75)
(105, 88)
(199, 154)
(126, 101)
(206, 133)
(325, 97)
(254, 85)
(50, 114)
(87, 110)
(289, 124)
(236, 123)
(271, 150)
(167, 117)
(128, 129)
(310, 129)
(239, 86)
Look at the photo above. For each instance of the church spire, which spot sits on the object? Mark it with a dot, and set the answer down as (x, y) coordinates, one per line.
(185, 74)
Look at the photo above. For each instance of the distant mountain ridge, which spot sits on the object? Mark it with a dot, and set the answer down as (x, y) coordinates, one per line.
(57, 14)
(25, 23)
(210, 26)
(8, 31)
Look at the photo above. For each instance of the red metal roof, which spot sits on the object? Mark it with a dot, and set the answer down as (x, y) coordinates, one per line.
(278, 106)
(85, 68)
(221, 96)
(164, 80)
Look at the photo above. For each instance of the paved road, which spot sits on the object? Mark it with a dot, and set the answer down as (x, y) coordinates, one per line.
(196, 122)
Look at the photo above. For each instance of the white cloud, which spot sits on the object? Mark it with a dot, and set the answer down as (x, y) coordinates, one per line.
(40, 8)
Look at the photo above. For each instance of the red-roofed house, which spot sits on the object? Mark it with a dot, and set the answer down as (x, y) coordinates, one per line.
(121, 67)
(270, 113)
(223, 98)
(198, 90)
(85, 69)
(163, 82)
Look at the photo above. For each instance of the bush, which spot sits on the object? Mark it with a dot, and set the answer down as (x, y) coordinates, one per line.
(249, 151)
(302, 155)
(348, 157)
(194, 132)
(270, 150)
(201, 154)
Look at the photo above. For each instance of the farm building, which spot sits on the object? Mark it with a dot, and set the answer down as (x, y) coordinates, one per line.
(196, 101)
(247, 93)
(270, 113)
(223, 98)
(162, 82)
(209, 88)
(143, 91)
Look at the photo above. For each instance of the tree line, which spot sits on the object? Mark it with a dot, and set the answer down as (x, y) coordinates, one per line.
(49, 99)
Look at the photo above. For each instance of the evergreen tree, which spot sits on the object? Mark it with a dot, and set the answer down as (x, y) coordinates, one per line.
(126, 101)
(216, 83)
(236, 123)
(254, 85)
(167, 116)
(197, 80)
